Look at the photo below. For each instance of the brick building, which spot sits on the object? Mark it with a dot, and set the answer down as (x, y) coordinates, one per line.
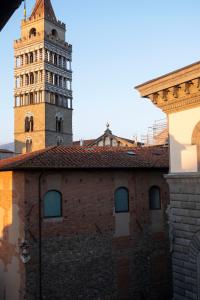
(85, 223)
(75, 222)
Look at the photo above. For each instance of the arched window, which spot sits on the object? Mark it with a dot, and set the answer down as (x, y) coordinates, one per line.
(59, 124)
(154, 198)
(59, 140)
(28, 145)
(54, 33)
(121, 200)
(27, 124)
(53, 204)
(31, 123)
(32, 32)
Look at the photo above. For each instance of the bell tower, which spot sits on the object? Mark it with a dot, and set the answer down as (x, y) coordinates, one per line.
(43, 82)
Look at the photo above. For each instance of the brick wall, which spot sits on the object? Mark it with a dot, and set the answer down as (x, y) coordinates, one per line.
(81, 257)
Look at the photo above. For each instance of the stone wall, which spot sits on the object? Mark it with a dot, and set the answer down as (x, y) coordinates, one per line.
(185, 224)
(81, 257)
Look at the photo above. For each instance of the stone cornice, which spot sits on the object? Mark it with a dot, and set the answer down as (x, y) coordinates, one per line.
(187, 175)
(175, 91)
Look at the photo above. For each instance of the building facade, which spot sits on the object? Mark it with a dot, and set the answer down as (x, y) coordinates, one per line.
(43, 82)
(85, 223)
(108, 139)
(178, 95)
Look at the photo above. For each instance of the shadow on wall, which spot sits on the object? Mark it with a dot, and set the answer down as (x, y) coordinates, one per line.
(11, 238)
(183, 157)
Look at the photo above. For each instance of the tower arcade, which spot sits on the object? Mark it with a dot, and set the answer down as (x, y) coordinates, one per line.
(43, 82)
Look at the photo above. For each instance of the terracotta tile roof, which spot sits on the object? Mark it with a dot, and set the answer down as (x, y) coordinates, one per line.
(74, 157)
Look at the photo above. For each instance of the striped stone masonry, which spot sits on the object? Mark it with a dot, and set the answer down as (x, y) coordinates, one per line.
(185, 228)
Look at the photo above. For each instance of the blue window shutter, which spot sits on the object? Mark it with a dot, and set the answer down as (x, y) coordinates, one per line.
(121, 200)
(52, 204)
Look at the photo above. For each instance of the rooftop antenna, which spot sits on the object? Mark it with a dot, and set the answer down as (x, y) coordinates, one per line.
(24, 9)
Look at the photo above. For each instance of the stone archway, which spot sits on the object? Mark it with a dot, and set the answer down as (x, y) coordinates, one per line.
(196, 135)
(196, 141)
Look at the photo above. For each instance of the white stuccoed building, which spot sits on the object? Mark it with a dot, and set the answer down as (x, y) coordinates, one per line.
(178, 95)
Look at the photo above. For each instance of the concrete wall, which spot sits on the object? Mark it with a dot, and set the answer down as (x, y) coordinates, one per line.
(82, 258)
(183, 155)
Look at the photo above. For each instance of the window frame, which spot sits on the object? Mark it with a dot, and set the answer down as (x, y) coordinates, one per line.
(127, 190)
(61, 205)
(159, 190)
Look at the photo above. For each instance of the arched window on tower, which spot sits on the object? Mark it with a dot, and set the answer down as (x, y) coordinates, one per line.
(59, 124)
(54, 33)
(28, 145)
(31, 58)
(154, 198)
(32, 32)
(27, 124)
(31, 78)
(31, 123)
(59, 140)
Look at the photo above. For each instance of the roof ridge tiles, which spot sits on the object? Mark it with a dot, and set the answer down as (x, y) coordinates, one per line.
(89, 157)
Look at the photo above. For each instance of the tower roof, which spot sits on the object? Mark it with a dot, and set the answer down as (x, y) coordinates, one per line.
(44, 9)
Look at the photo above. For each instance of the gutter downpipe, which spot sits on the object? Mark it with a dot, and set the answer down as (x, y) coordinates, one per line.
(40, 234)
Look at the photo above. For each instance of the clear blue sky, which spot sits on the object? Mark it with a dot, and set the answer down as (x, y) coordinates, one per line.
(116, 45)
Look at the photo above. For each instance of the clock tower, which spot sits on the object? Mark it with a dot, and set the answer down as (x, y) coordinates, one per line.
(43, 82)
